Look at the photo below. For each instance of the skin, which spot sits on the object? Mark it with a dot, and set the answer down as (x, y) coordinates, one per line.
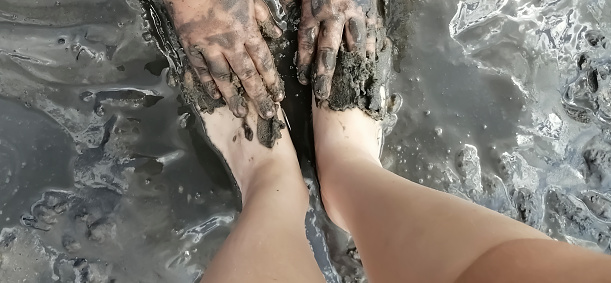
(269, 243)
(222, 40)
(323, 25)
(403, 231)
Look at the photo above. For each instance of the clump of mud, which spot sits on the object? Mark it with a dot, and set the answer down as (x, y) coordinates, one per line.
(268, 131)
(361, 82)
(193, 93)
(587, 96)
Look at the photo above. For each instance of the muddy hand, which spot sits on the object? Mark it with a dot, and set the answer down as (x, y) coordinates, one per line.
(322, 26)
(221, 39)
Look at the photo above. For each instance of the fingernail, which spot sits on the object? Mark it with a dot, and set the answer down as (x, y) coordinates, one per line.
(356, 28)
(278, 32)
(279, 96)
(328, 59)
(266, 107)
(316, 6)
(303, 74)
(321, 87)
(210, 89)
(278, 91)
(237, 105)
(242, 108)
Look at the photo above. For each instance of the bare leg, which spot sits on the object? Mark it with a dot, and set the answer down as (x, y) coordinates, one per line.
(269, 242)
(405, 232)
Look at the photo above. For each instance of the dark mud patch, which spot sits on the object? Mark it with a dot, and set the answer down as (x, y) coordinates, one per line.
(268, 131)
(194, 93)
(361, 82)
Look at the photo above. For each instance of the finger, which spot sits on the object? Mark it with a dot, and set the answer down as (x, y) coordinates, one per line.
(370, 44)
(307, 36)
(326, 55)
(264, 62)
(356, 35)
(220, 72)
(195, 56)
(242, 65)
(265, 21)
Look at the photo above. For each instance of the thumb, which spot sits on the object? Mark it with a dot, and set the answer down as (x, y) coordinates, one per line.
(265, 21)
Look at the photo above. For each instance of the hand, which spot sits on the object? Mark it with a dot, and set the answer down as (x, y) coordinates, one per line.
(320, 34)
(221, 39)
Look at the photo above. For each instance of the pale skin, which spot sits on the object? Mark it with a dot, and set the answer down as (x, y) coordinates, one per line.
(404, 232)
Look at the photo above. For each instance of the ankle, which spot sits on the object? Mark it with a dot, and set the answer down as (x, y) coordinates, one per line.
(276, 183)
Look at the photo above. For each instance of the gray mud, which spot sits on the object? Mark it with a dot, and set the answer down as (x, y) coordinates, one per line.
(362, 82)
(194, 93)
(268, 130)
(106, 174)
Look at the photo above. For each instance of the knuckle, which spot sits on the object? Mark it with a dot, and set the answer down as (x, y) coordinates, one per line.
(223, 76)
(268, 63)
(202, 70)
(249, 74)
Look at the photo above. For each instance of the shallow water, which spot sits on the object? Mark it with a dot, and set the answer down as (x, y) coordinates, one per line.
(105, 174)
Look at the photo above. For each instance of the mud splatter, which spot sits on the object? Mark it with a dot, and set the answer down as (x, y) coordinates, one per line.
(268, 130)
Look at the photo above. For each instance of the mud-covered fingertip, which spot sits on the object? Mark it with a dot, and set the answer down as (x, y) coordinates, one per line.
(303, 74)
(238, 106)
(279, 96)
(266, 108)
(277, 32)
(241, 111)
(277, 91)
(321, 87)
(211, 89)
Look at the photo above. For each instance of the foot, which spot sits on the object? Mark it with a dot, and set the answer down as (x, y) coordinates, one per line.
(352, 136)
(342, 138)
(250, 162)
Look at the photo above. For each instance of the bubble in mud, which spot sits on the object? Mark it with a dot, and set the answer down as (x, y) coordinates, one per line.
(438, 131)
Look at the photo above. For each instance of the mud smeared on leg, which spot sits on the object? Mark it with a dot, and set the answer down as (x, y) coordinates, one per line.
(268, 130)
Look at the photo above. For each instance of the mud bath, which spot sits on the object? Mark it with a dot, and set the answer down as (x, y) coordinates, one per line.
(110, 176)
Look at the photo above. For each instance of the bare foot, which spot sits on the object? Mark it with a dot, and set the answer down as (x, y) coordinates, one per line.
(341, 138)
(251, 162)
(352, 136)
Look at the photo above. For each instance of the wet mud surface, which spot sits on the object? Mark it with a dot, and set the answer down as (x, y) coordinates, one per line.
(106, 174)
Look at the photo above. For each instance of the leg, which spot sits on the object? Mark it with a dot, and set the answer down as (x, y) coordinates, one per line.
(404, 232)
(269, 241)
